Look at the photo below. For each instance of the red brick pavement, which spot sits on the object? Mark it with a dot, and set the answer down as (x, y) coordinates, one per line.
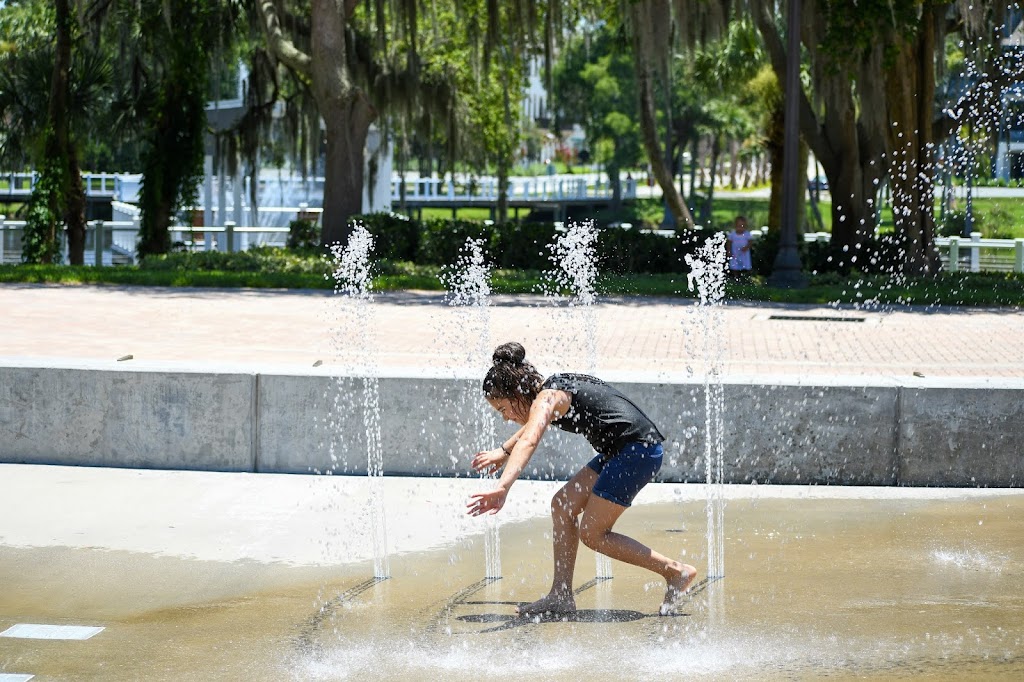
(418, 330)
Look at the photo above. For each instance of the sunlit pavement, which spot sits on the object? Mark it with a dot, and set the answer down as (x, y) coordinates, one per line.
(416, 330)
(189, 575)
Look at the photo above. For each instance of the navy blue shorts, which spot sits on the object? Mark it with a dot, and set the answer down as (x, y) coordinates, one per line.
(620, 477)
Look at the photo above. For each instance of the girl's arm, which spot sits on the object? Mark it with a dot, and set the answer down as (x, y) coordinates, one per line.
(514, 439)
(547, 406)
(543, 411)
(490, 461)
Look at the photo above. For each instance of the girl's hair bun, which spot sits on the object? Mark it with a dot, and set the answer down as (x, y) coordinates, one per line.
(511, 353)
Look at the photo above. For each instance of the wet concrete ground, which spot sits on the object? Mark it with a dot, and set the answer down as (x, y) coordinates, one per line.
(273, 580)
(262, 577)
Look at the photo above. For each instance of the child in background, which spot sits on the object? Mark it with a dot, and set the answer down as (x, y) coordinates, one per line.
(739, 248)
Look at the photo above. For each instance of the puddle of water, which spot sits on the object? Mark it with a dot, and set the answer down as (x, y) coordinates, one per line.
(848, 588)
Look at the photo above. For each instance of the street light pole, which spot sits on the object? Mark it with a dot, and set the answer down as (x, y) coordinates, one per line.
(787, 272)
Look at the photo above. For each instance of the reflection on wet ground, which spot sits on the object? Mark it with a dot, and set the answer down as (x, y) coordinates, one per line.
(844, 588)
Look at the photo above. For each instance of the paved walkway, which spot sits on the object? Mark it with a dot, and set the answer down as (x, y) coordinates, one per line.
(418, 330)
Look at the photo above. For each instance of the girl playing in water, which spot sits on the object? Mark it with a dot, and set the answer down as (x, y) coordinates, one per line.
(585, 509)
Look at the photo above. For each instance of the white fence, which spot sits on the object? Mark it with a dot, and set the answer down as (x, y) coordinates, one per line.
(115, 242)
(977, 254)
(969, 255)
(283, 189)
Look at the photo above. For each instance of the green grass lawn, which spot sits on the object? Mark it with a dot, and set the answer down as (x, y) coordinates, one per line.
(460, 214)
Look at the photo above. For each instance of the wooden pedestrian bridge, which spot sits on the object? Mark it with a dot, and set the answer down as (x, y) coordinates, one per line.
(552, 194)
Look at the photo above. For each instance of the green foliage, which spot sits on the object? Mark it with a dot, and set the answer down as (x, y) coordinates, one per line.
(992, 219)
(43, 222)
(171, 102)
(302, 234)
(26, 26)
(523, 246)
(633, 251)
(441, 240)
(596, 86)
(953, 223)
(853, 29)
(395, 237)
(259, 259)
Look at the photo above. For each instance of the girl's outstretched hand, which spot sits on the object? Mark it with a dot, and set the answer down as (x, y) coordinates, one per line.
(490, 501)
(490, 461)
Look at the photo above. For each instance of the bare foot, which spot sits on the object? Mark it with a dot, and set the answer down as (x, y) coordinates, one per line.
(555, 604)
(677, 588)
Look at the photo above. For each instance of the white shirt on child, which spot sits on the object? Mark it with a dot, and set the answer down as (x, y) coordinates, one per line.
(739, 260)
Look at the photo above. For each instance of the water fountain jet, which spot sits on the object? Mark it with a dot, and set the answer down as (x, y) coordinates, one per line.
(353, 284)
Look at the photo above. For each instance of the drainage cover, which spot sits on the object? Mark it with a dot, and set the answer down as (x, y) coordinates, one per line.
(820, 318)
(34, 631)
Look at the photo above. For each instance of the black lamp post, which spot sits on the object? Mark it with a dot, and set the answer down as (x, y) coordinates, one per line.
(787, 272)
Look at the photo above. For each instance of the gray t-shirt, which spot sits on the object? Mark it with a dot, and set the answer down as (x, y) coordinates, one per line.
(602, 414)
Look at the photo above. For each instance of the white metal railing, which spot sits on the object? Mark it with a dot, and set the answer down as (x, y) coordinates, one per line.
(124, 186)
(115, 242)
(973, 254)
(229, 237)
(979, 254)
(485, 190)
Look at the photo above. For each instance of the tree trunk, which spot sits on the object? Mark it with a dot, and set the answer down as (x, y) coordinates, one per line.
(615, 182)
(57, 116)
(910, 86)
(774, 139)
(655, 156)
(74, 210)
(734, 162)
(693, 167)
(849, 137)
(157, 197)
(707, 215)
(347, 124)
(347, 116)
(802, 154)
(504, 161)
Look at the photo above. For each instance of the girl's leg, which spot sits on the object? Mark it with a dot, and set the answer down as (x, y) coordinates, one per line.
(566, 506)
(595, 530)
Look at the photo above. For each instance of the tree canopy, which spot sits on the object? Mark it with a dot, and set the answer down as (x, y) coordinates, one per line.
(91, 81)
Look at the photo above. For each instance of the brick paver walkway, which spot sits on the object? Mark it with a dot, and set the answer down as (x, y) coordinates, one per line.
(418, 330)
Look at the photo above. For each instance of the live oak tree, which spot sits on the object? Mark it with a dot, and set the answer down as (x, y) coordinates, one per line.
(367, 62)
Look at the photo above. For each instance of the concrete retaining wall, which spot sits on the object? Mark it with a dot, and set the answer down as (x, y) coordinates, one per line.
(957, 433)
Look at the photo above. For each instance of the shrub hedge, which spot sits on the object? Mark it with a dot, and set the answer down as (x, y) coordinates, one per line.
(521, 245)
(527, 246)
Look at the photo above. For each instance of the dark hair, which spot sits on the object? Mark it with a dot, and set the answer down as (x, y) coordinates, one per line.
(511, 376)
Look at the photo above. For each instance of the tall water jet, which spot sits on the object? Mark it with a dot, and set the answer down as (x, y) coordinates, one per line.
(574, 254)
(468, 282)
(353, 284)
(707, 274)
